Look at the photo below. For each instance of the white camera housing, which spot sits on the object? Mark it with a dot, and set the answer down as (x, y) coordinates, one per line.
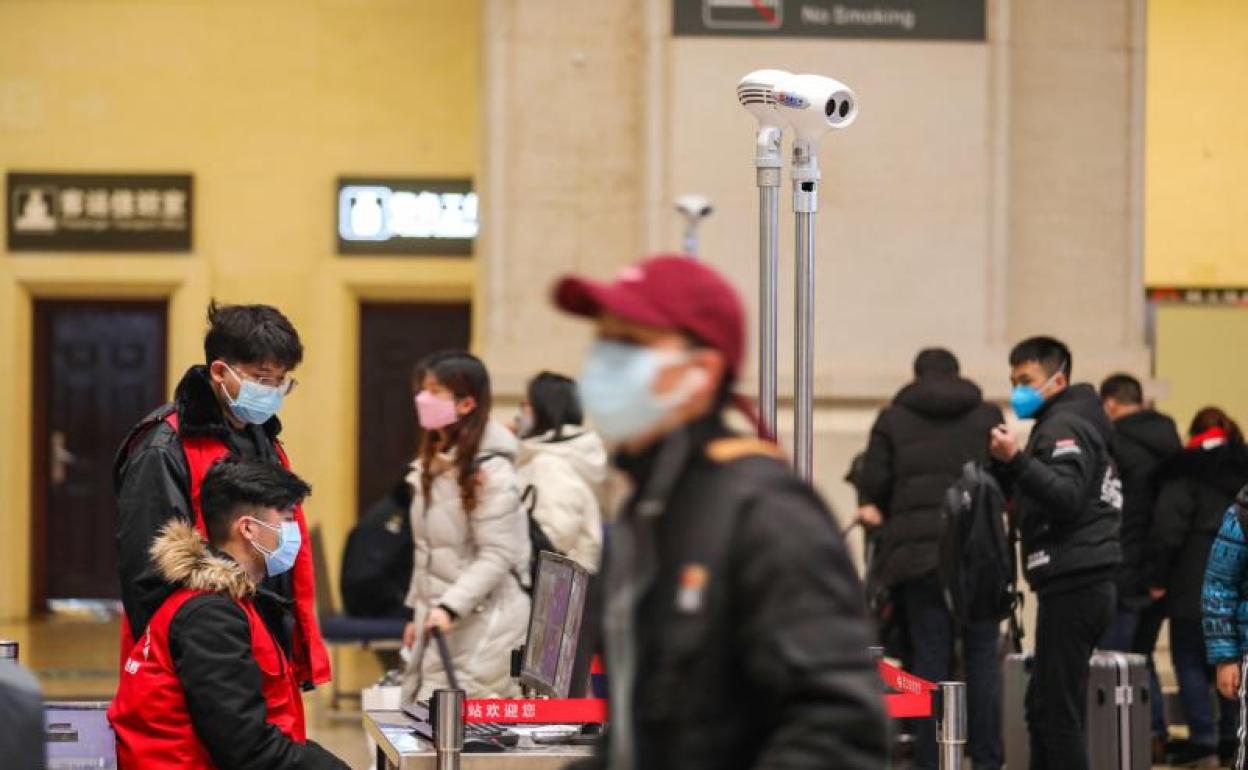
(694, 207)
(757, 93)
(815, 105)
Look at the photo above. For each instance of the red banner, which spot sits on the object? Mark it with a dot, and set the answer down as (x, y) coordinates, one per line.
(540, 711)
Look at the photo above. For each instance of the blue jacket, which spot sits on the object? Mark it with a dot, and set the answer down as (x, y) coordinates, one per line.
(1224, 600)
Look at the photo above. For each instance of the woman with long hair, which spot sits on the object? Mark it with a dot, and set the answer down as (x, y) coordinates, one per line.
(563, 469)
(1196, 488)
(471, 535)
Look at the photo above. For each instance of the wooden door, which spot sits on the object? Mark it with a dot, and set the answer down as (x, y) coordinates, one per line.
(393, 337)
(99, 367)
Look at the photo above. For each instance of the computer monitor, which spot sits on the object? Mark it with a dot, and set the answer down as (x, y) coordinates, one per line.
(78, 735)
(552, 653)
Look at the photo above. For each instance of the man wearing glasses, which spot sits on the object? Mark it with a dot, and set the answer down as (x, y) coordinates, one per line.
(226, 406)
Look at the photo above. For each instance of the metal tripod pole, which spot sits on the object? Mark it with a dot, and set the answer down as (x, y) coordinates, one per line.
(805, 204)
(767, 161)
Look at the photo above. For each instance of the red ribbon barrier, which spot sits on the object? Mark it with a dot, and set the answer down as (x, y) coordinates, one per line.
(521, 711)
(911, 696)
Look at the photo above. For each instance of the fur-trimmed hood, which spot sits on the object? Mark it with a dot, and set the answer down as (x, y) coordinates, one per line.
(184, 559)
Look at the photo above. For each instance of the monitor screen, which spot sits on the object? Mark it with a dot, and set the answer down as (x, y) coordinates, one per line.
(550, 654)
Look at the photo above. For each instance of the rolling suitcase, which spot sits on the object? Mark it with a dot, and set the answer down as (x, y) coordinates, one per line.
(1118, 722)
(1013, 712)
(1119, 725)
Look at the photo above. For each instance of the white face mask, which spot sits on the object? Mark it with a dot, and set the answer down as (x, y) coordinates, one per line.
(617, 387)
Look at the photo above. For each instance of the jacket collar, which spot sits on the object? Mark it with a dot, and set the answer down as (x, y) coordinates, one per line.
(199, 412)
(183, 559)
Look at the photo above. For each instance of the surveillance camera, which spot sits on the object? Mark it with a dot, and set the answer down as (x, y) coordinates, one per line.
(756, 92)
(815, 105)
(694, 207)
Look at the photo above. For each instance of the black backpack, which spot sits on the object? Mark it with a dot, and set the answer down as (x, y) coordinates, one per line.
(978, 567)
(377, 562)
(538, 538)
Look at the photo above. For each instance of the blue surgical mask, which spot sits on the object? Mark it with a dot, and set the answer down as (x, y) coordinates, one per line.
(617, 388)
(255, 403)
(289, 540)
(1026, 400)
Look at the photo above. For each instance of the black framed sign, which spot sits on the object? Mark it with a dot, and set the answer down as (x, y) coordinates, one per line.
(406, 216)
(883, 19)
(99, 212)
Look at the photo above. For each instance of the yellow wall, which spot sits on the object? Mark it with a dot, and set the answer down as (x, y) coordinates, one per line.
(266, 103)
(1196, 201)
(1200, 355)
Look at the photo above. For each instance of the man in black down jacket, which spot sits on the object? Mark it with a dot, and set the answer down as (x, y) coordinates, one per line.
(1068, 501)
(918, 446)
(734, 626)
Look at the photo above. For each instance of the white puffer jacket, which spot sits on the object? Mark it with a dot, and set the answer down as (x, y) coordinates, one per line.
(472, 565)
(568, 475)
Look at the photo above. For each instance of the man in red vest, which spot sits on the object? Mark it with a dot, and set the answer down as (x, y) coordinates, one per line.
(224, 407)
(207, 685)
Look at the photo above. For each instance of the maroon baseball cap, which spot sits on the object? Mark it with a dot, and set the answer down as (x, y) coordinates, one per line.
(667, 291)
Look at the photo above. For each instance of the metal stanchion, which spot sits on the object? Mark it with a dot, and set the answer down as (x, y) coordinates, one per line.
(448, 728)
(805, 204)
(756, 92)
(951, 727)
(814, 105)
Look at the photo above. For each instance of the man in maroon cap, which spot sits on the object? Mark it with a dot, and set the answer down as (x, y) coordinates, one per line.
(733, 620)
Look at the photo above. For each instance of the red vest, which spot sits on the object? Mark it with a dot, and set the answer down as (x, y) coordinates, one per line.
(311, 661)
(149, 714)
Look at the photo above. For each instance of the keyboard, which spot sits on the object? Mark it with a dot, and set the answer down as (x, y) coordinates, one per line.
(484, 731)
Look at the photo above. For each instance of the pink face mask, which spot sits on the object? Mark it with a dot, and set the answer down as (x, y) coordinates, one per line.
(435, 413)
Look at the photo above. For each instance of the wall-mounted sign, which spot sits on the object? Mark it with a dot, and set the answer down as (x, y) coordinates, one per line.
(99, 212)
(1228, 295)
(406, 216)
(885, 19)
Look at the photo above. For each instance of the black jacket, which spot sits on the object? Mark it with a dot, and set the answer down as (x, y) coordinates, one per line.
(211, 648)
(1067, 495)
(153, 485)
(749, 628)
(1197, 487)
(1142, 441)
(917, 449)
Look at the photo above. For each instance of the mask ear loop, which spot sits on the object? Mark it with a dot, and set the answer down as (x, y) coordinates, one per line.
(261, 548)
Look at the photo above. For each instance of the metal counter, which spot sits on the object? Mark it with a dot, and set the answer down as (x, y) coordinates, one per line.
(398, 748)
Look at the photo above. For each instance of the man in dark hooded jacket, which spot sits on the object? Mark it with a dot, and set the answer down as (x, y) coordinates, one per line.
(1143, 440)
(917, 448)
(1068, 503)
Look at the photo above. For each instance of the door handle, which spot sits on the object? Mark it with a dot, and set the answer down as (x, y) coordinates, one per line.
(59, 458)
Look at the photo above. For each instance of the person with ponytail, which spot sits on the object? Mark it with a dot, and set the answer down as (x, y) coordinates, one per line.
(471, 536)
(1197, 486)
(733, 620)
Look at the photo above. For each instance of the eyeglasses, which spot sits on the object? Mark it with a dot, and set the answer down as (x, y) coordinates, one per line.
(285, 386)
